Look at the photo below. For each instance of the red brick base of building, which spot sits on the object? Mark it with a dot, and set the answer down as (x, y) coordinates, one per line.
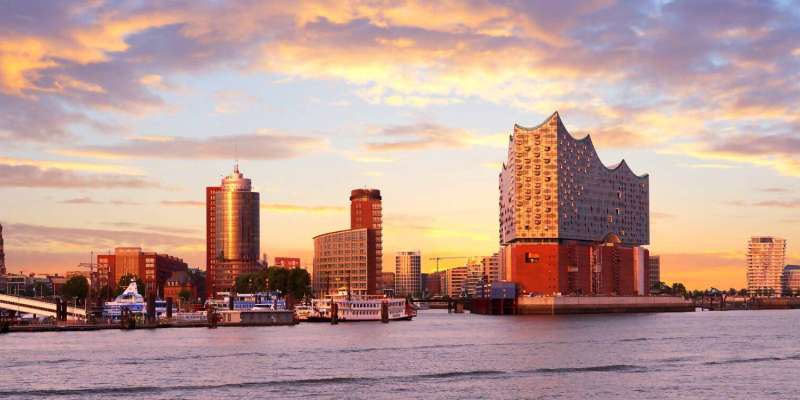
(577, 268)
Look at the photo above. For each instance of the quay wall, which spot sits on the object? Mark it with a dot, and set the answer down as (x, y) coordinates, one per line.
(552, 305)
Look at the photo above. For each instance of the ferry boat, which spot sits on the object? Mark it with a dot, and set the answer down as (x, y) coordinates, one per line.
(360, 308)
(248, 301)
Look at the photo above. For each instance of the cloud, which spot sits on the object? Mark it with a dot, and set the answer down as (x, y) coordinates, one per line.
(91, 201)
(618, 137)
(709, 166)
(273, 207)
(80, 200)
(368, 159)
(41, 237)
(633, 72)
(779, 151)
(153, 228)
(35, 177)
(423, 136)
(295, 208)
(776, 190)
(658, 215)
(71, 165)
(190, 203)
(259, 146)
(232, 101)
(785, 204)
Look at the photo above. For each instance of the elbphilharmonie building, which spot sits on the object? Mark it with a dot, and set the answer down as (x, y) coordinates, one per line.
(569, 223)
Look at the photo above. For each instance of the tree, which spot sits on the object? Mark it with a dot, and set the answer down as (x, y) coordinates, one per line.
(126, 280)
(76, 287)
(278, 279)
(251, 283)
(299, 282)
(743, 292)
(678, 288)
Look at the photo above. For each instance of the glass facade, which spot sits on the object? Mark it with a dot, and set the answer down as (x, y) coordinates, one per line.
(236, 232)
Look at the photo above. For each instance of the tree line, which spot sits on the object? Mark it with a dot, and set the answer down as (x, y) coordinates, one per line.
(295, 282)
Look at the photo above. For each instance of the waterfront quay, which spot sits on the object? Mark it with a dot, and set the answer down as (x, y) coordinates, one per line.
(224, 319)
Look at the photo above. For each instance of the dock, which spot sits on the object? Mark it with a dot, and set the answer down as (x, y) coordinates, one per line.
(228, 319)
(555, 305)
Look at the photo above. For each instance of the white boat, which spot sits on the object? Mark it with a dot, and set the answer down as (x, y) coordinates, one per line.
(247, 301)
(302, 312)
(131, 300)
(360, 308)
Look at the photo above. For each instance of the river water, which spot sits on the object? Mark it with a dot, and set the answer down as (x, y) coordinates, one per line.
(723, 355)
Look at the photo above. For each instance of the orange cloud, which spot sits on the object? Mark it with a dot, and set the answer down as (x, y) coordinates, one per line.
(295, 208)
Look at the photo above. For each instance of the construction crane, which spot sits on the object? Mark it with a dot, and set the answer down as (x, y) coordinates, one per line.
(449, 258)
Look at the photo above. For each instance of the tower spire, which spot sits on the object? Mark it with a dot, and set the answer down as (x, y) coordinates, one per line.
(236, 158)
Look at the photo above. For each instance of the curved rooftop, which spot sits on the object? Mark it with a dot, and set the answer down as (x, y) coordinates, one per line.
(622, 165)
(236, 182)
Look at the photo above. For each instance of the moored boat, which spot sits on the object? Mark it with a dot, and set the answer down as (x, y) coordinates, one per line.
(350, 308)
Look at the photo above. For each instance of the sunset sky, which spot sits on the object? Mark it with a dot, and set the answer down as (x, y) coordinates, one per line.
(114, 117)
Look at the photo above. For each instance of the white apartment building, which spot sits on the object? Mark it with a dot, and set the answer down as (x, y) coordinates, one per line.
(766, 257)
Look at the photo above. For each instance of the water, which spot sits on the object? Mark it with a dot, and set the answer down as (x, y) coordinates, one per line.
(736, 354)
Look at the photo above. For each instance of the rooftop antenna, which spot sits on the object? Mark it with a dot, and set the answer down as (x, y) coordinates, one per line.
(236, 157)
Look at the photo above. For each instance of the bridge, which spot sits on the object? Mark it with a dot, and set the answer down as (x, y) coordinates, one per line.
(26, 305)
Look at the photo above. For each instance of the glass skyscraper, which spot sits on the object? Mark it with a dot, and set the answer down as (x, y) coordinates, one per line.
(233, 229)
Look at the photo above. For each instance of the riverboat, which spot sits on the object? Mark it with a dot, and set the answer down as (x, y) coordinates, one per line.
(351, 308)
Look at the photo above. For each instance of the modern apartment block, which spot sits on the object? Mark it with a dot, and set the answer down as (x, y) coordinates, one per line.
(791, 280)
(491, 268)
(340, 263)
(653, 271)
(568, 223)
(462, 281)
(352, 259)
(152, 268)
(453, 281)
(233, 231)
(766, 258)
(408, 266)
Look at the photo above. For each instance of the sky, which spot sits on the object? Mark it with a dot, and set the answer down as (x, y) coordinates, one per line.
(115, 116)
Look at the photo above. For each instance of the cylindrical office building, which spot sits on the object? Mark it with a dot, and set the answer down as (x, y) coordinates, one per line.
(236, 230)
